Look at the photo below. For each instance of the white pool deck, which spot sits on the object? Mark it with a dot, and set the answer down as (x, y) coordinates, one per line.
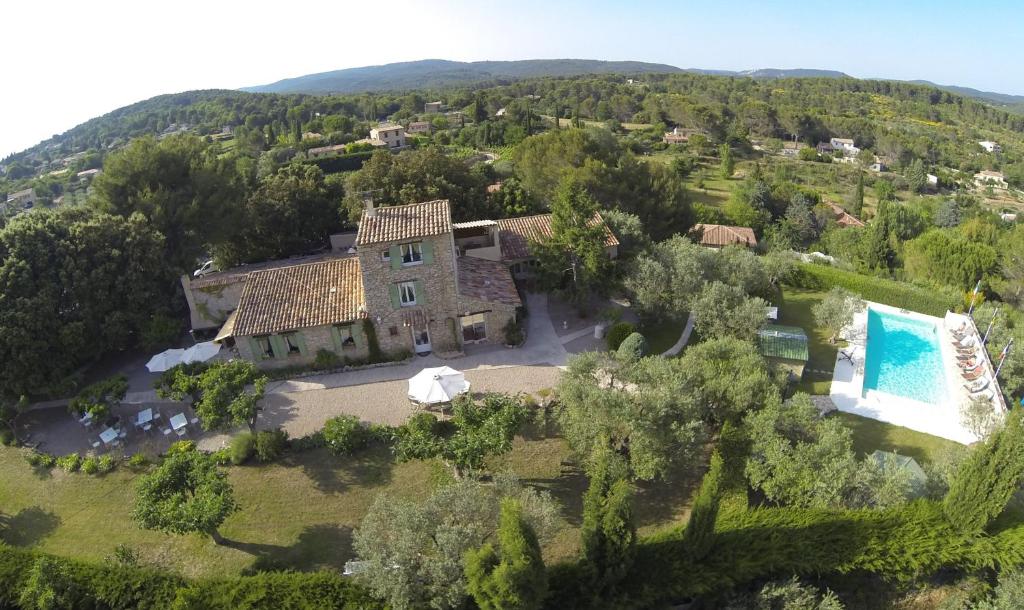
(939, 420)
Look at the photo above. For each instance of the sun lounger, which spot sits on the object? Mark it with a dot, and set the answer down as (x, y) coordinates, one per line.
(972, 375)
(968, 365)
(977, 386)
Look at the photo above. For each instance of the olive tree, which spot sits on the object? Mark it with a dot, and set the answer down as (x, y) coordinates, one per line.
(835, 312)
(187, 493)
(413, 551)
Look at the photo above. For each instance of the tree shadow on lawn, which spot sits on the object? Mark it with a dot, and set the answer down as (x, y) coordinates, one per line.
(318, 546)
(28, 527)
(335, 474)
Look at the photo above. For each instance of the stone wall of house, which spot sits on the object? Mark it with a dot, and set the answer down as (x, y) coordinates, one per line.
(496, 316)
(315, 339)
(438, 281)
(209, 305)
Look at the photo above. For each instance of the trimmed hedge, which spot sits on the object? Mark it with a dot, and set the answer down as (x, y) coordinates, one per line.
(341, 163)
(116, 587)
(931, 301)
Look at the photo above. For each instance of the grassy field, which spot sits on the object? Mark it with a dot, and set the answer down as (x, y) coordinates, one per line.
(870, 434)
(661, 335)
(299, 513)
(795, 310)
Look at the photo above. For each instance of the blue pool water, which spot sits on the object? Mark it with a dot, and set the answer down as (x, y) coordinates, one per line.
(904, 358)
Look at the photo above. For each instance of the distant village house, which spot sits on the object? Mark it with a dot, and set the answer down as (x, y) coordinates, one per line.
(719, 236)
(992, 147)
(986, 178)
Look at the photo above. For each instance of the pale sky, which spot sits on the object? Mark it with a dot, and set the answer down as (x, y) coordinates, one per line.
(69, 61)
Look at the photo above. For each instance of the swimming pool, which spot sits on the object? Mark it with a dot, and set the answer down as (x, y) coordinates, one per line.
(904, 358)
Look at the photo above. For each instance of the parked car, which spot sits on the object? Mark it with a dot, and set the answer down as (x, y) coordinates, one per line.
(204, 269)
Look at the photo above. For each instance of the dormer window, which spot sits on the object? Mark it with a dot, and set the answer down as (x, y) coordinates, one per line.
(412, 254)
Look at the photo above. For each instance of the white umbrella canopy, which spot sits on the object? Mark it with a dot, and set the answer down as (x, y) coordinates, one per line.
(436, 385)
(165, 360)
(200, 352)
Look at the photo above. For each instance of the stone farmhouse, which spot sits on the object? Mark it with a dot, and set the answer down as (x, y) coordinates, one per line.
(415, 282)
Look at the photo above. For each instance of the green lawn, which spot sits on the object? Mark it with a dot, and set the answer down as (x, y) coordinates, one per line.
(870, 434)
(299, 513)
(661, 335)
(795, 310)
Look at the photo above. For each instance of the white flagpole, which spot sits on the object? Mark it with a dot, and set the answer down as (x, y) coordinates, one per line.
(990, 322)
(1002, 358)
(974, 295)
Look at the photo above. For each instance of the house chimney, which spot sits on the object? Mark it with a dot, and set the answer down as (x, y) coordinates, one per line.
(368, 210)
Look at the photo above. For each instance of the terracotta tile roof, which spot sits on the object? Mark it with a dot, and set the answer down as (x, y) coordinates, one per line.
(724, 235)
(844, 218)
(239, 273)
(517, 233)
(397, 222)
(487, 281)
(300, 296)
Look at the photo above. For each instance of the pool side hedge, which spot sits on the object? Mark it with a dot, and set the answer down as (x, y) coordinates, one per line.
(98, 585)
(931, 301)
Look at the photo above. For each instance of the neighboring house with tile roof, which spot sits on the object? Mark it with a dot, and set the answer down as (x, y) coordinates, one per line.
(390, 134)
(719, 236)
(516, 234)
(842, 217)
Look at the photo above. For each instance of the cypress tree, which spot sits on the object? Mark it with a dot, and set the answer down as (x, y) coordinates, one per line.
(511, 576)
(728, 165)
(857, 204)
(700, 531)
(988, 478)
(608, 532)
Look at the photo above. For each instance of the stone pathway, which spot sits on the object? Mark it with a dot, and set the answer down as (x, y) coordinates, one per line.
(683, 339)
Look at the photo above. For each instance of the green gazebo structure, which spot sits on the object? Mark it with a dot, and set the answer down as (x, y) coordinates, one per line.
(784, 347)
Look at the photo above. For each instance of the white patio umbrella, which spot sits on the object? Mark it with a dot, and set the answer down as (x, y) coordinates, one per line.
(200, 352)
(436, 385)
(165, 360)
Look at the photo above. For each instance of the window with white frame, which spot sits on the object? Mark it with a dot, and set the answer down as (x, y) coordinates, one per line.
(407, 293)
(412, 254)
(473, 327)
(385, 255)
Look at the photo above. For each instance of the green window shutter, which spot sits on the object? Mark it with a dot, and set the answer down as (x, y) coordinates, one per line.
(336, 338)
(279, 347)
(302, 344)
(396, 257)
(421, 294)
(257, 349)
(395, 299)
(427, 249)
(358, 335)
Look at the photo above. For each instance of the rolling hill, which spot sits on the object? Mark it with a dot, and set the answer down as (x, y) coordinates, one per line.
(436, 73)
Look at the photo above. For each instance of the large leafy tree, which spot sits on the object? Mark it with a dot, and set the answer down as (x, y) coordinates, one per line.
(224, 394)
(419, 175)
(728, 378)
(641, 409)
(947, 257)
(292, 211)
(476, 430)
(74, 285)
(182, 188)
(722, 310)
(185, 494)
(574, 254)
(414, 551)
(509, 576)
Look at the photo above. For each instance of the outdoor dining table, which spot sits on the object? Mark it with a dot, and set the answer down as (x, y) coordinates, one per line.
(144, 419)
(108, 436)
(179, 421)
